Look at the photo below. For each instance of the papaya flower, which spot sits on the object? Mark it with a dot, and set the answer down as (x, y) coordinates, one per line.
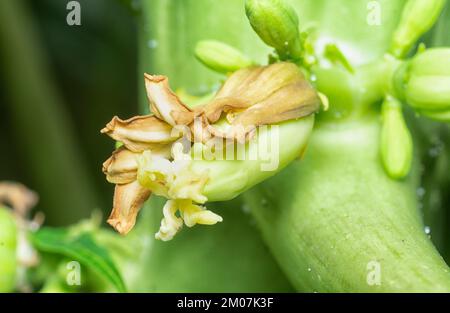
(192, 155)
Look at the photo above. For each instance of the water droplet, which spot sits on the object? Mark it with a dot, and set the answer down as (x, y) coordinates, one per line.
(309, 269)
(152, 43)
(427, 230)
(420, 192)
(246, 209)
(203, 88)
(338, 115)
(437, 146)
(216, 86)
(434, 152)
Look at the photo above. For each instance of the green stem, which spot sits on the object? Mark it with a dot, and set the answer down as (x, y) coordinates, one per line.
(330, 215)
(42, 128)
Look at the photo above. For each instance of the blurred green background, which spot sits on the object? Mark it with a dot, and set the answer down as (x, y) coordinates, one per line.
(60, 85)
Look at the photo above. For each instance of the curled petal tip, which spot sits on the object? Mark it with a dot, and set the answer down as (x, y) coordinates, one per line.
(121, 167)
(128, 200)
(164, 103)
(140, 132)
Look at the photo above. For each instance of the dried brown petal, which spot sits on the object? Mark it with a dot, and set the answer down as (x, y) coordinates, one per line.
(234, 84)
(121, 167)
(259, 96)
(216, 107)
(255, 84)
(139, 133)
(164, 103)
(199, 129)
(288, 103)
(128, 200)
(18, 197)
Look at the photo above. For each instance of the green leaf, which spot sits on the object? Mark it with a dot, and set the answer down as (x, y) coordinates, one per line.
(81, 247)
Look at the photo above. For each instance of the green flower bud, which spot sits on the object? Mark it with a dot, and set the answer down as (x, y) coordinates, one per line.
(221, 57)
(417, 18)
(396, 142)
(425, 83)
(440, 116)
(276, 23)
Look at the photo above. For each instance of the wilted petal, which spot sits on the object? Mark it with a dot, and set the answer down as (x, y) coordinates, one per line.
(262, 95)
(199, 129)
(255, 84)
(216, 107)
(121, 167)
(139, 133)
(288, 103)
(164, 103)
(234, 84)
(240, 133)
(128, 200)
(230, 96)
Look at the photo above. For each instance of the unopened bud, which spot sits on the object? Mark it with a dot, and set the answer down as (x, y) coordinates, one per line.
(396, 141)
(426, 82)
(276, 23)
(417, 18)
(221, 57)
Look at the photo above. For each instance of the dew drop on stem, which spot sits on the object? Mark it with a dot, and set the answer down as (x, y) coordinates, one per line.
(420, 192)
(152, 44)
(264, 202)
(246, 209)
(427, 230)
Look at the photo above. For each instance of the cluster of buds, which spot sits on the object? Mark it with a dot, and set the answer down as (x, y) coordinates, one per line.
(424, 83)
(157, 152)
